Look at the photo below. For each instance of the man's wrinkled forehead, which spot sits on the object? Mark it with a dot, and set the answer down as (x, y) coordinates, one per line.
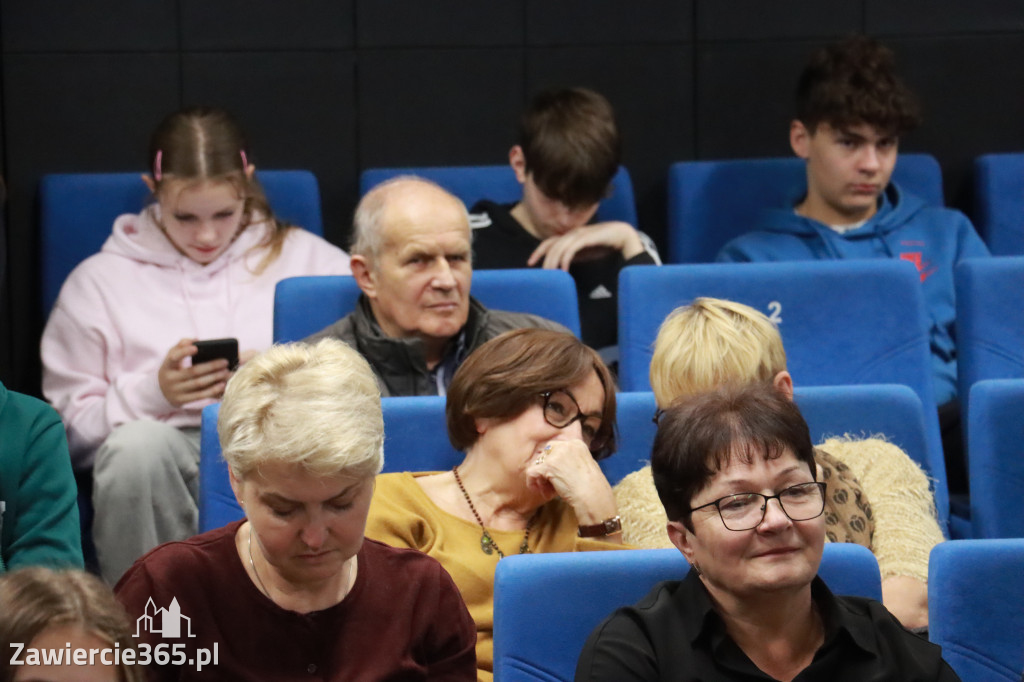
(435, 229)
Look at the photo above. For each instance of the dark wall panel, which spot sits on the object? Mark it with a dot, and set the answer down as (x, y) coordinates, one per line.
(651, 89)
(266, 24)
(437, 107)
(298, 111)
(72, 25)
(972, 99)
(931, 17)
(759, 20)
(70, 113)
(745, 97)
(445, 23)
(615, 22)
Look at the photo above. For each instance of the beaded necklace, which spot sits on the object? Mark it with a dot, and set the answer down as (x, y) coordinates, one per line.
(487, 543)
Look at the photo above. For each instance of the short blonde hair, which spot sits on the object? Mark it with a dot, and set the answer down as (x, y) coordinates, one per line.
(712, 342)
(36, 598)
(313, 405)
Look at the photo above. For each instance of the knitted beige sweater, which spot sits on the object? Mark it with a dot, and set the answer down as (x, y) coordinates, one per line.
(898, 490)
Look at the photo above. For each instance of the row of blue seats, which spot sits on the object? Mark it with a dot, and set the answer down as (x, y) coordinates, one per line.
(974, 597)
(416, 440)
(710, 202)
(848, 322)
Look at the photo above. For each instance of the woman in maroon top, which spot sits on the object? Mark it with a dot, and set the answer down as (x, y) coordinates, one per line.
(294, 591)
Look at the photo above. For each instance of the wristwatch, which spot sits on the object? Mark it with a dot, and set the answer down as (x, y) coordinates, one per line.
(606, 527)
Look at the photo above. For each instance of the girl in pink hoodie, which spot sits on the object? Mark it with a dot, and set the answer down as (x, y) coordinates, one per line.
(200, 262)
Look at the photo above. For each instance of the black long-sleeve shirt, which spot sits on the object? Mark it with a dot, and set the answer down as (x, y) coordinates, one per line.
(675, 634)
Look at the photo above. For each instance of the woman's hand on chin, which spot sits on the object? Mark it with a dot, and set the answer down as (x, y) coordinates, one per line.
(568, 470)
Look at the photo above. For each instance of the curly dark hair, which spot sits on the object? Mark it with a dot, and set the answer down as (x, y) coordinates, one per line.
(852, 82)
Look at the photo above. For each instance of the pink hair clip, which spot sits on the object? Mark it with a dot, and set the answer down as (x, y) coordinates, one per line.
(245, 161)
(157, 162)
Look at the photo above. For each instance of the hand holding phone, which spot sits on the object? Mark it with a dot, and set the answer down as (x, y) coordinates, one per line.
(180, 384)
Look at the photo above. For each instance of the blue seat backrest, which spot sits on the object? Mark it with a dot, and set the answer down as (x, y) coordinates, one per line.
(305, 305)
(499, 184)
(842, 322)
(975, 593)
(989, 320)
(712, 202)
(217, 503)
(893, 411)
(77, 212)
(416, 435)
(635, 429)
(546, 605)
(999, 202)
(996, 464)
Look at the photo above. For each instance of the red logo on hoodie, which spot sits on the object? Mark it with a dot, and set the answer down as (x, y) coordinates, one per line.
(925, 269)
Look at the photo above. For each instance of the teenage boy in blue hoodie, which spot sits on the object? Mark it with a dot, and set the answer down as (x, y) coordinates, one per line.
(851, 109)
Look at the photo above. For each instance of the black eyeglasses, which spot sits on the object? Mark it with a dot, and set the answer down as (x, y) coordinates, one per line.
(744, 511)
(657, 416)
(561, 409)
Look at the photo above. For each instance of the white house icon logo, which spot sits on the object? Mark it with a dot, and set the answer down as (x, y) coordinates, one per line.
(165, 622)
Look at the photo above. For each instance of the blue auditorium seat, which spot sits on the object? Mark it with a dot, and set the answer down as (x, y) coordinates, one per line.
(975, 593)
(713, 202)
(842, 322)
(999, 202)
(996, 461)
(546, 605)
(989, 320)
(499, 184)
(305, 305)
(77, 212)
(217, 503)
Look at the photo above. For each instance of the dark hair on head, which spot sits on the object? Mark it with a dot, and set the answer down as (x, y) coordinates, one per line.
(36, 598)
(508, 374)
(202, 144)
(571, 145)
(853, 82)
(699, 435)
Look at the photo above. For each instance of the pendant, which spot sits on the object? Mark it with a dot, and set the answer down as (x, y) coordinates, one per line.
(486, 544)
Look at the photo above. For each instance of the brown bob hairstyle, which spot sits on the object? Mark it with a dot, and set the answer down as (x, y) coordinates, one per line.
(698, 435)
(508, 374)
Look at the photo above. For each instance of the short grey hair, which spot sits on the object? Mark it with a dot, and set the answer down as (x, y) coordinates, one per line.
(367, 239)
(317, 406)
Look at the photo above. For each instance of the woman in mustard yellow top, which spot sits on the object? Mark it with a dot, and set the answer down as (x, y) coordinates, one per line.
(533, 410)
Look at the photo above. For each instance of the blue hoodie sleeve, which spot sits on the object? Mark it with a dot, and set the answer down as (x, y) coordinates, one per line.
(733, 252)
(969, 244)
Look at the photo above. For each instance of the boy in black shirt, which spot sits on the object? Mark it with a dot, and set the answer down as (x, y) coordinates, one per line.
(568, 152)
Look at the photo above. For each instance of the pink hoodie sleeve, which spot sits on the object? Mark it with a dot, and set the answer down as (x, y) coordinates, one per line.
(77, 346)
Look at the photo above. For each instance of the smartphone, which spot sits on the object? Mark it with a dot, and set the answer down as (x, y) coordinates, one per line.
(215, 349)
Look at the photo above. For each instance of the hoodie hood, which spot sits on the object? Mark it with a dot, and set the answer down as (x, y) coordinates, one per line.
(140, 238)
(896, 208)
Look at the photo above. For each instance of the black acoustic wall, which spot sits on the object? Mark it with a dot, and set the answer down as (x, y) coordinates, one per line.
(337, 86)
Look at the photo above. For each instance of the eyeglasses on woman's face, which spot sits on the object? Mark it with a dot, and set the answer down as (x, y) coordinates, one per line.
(561, 410)
(744, 511)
